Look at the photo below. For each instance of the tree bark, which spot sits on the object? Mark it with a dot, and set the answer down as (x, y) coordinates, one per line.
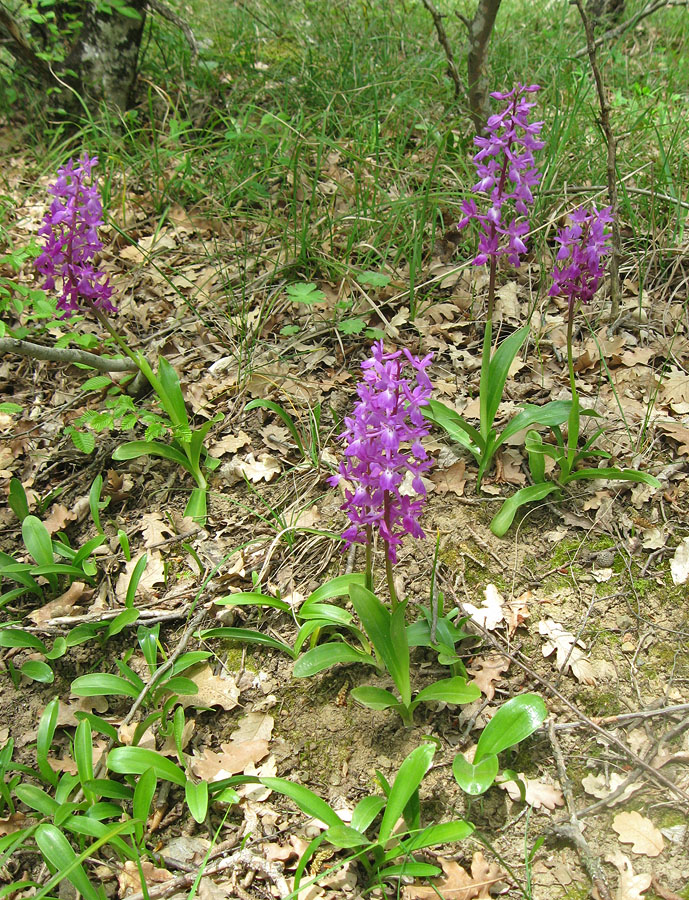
(480, 29)
(106, 54)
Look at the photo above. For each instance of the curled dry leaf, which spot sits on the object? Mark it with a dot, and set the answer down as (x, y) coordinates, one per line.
(635, 829)
(262, 468)
(518, 611)
(457, 884)
(452, 479)
(234, 758)
(487, 671)
(491, 614)
(64, 605)
(58, 518)
(537, 793)
(568, 656)
(596, 786)
(129, 879)
(214, 690)
(630, 886)
(154, 573)
(12, 823)
(679, 565)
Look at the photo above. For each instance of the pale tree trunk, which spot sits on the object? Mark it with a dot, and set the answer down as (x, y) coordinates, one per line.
(106, 54)
(480, 29)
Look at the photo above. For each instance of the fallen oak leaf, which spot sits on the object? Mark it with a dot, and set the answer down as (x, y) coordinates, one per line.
(213, 690)
(568, 655)
(630, 886)
(536, 793)
(486, 671)
(234, 758)
(491, 614)
(64, 605)
(635, 829)
(456, 883)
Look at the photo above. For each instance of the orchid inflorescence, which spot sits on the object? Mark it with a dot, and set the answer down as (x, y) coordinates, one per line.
(506, 170)
(71, 231)
(383, 444)
(580, 259)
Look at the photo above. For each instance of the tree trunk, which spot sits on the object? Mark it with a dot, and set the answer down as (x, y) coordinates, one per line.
(480, 29)
(105, 55)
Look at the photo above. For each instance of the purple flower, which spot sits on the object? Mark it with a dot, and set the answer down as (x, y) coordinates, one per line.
(70, 228)
(507, 174)
(583, 245)
(383, 444)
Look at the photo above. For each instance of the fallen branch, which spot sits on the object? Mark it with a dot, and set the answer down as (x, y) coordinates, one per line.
(169, 14)
(66, 355)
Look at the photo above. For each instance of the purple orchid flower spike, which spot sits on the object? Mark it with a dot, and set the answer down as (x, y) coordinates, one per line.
(70, 228)
(507, 175)
(383, 444)
(580, 260)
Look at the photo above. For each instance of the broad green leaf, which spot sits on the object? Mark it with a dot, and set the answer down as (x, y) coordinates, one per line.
(58, 649)
(533, 444)
(122, 620)
(249, 598)
(455, 426)
(326, 612)
(37, 799)
(17, 499)
(515, 720)
(375, 279)
(408, 779)
(499, 369)
(103, 684)
(308, 802)
(137, 760)
(37, 540)
(505, 516)
(83, 751)
(445, 833)
(180, 685)
(187, 660)
(475, 779)
(17, 637)
(555, 412)
(98, 724)
(196, 796)
(374, 697)
(410, 869)
(377, 623)
(57, 850)
(400, 653)
(84, 441)
(85, 825)
(141, 803)
(613, 474)
(96, 383)
(134, 449)
(134, 580)
(336, 587)
(246, 636)
(197, 505)
(172, 397)
(366, 810)
(327, 655)
(345, 837)
(44, 738)
(451, 690)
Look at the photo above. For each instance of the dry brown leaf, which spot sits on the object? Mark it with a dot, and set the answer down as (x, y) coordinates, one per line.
(155, 529)
(451, 479)
(486, 671)
(491, 614)
(64, 605)
(12, 823)
(230, 444)
(169, 747)
(126, 735)
(254, 726)
(518, 611)
(154, 573)
(635, 829)
(597, 787)
(129, 879)
(630, 886)
(58, 518)
(568, 654)
(678, 433)
(262, 468)
(234, 758)
(456, 883)
(537, 793)
(214, 690)
(679, 564)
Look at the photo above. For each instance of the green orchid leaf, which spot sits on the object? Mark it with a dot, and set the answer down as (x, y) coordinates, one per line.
(445, 833)
(137, 760)
(452, 690)
(498, 371)
(475, 779)
(613, 474)
(247, 636)
(250, 598)
(327, 655)
(410, 869)
(58, 852)
(37, 540)
(336, 587)
(308, 802)
(134, 449)
(345, 837)
(102, 684)
(196, 796)
(451, 422)
(505, 516)
(366, 810)
(408, 779)
(374, 697)
(513, 722)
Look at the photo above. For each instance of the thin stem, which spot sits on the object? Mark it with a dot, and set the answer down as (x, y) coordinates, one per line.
(391, 581)
(570, 360)
(369, 558)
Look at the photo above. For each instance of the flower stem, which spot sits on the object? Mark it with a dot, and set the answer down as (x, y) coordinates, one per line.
(391, 582)
(369, 558)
